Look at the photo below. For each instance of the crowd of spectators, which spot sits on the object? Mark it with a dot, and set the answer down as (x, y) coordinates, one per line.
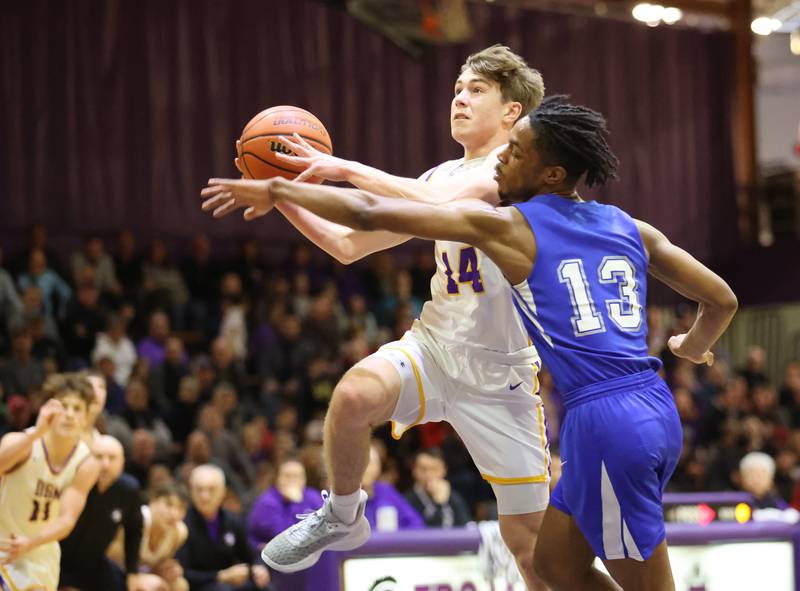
(233, 362)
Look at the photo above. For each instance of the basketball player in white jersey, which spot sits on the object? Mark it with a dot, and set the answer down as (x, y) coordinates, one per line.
(467, 360)
(89, 434)
(47, 472)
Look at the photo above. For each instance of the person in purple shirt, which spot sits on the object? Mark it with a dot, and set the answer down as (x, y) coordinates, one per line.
(153, 346)
(278, 508)
(387, 510)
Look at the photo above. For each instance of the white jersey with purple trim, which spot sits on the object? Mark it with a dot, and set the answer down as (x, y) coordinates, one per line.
(30, 498)
(471, 301)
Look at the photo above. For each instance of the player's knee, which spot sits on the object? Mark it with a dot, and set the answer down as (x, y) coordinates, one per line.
(351, 401)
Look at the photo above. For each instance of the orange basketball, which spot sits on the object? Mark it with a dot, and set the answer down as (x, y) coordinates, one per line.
(261, 140)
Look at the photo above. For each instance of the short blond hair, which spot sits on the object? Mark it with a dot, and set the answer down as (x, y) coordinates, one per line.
(58, 385)
(518, 81)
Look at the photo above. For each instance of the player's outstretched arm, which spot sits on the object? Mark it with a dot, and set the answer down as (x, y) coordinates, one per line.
(353, 208)
(717, 303)
(342, 243)
(501, 233)
(477, 183)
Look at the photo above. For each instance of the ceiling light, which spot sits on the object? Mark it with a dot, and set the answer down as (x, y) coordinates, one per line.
(648, 13)
(671, 15)
(762, 25)
(794, 47)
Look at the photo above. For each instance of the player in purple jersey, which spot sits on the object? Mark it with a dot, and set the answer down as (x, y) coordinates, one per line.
(621, 436)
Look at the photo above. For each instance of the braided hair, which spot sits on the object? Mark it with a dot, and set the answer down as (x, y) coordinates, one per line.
(573, 137)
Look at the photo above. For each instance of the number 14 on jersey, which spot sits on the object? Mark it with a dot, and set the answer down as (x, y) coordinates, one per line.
(468, 271)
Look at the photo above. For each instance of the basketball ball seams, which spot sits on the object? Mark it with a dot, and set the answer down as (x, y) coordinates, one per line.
(261, 141)
(247, 168)
(305, 137)
(260, 159)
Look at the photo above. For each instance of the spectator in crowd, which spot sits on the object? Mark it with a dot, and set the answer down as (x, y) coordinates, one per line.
(165, 532)
(232, 315)
(226, 366)
(10, 302)
(790, 392)
(251, 267)
(143, 454)
(33, 307)
(37, 239)
(201, 274)
(165, 377)
(360, 318)
(277, 508)
(94, 255)
(758, 472)
(114, 501)
(139, 413)
(56, 293)
(386, 508)
(153, 347)
(225, 399)
(128, 265)
(216, 555)
(182, 415)
(21, 373)
(753, 370)
(84, 318)
(164, 286)
(19, 414)
(226, 446)
(432, 496)
(115, 345)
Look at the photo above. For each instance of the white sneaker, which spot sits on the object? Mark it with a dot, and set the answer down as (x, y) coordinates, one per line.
(301, 545)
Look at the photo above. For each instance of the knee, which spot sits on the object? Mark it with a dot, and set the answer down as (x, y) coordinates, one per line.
(351, 402)
(522, 548)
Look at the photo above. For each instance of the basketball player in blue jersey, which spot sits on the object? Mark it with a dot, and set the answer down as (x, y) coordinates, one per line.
(579, 276)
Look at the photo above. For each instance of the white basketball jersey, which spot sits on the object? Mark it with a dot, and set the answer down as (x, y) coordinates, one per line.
(471, 302)
(30, 498)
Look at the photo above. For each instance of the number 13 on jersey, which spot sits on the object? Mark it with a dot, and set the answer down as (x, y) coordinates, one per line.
(468, 271)
(625, 311)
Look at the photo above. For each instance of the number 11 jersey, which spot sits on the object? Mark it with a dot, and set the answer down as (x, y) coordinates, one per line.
(30, 499)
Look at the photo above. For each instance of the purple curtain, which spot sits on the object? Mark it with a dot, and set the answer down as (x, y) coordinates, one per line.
(113, 113)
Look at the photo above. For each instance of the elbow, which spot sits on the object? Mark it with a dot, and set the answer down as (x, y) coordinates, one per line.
(364, 216)
(344, 258)
(730, 302)
(726, 302)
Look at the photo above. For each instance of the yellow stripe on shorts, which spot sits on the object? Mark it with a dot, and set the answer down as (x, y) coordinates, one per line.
(420, 390)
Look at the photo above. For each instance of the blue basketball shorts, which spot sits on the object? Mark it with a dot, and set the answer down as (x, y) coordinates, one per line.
(620, 442)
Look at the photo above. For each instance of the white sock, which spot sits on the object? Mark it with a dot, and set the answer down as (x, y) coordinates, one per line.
(345, 507)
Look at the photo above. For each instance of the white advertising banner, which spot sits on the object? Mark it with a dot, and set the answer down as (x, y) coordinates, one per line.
(715, 567)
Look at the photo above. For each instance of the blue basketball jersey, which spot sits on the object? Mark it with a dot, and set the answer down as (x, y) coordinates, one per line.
(583, 304)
